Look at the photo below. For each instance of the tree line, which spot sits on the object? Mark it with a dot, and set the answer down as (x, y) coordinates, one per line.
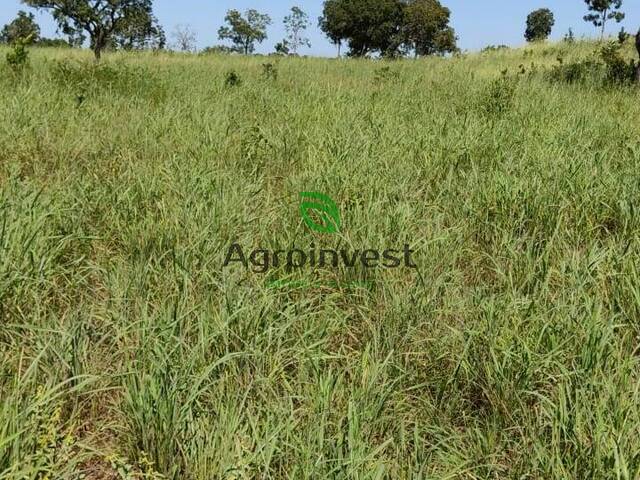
(388, 28)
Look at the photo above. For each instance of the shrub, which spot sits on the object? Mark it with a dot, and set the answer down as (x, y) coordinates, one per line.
(232, 79)
(574, 72)
(606, 67)
(269, 71)
(618, 70)
(18, 57)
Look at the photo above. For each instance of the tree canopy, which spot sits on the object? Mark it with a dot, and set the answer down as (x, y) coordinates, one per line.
(245, 32)
(389, 27)
(539, 25)
(23, 27)
(427, 30)
(296, 24)
(603, 11)
(105, 21)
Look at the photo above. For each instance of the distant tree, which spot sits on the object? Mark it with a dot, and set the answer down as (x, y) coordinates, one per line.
(53, 43)
(334, 22)
(539, 25)
(569, 36)
(245, 32)
(22, 27)
(220, 50)
(623, 36)
(185, 38)
(369, 26)
(139, 31)
(295, 25)
(282, 48)
(426, 28)
(602, 11)
(102, 20)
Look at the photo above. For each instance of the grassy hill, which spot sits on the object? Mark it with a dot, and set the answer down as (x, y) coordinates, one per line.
(127, 350)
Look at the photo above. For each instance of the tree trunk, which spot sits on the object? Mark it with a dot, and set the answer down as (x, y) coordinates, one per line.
(99, 42)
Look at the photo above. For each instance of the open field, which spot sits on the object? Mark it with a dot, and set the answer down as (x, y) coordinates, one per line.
(128, 351)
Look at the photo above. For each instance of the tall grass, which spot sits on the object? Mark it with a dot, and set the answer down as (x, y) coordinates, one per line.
(129, 352)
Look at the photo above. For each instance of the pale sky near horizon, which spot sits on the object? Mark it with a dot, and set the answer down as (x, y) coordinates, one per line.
(477, 23)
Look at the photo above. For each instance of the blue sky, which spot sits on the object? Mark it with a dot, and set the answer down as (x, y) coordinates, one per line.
(477, 22)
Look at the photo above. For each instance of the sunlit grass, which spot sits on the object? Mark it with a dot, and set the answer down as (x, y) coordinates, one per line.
(511, 352)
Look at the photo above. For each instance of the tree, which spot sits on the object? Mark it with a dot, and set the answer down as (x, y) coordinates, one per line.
(426, 28)
(334, 22)
(539, 25)
(244, 33)
(185, 38)
(602, 11)
(295, 25)
(102, 20)
(23, 27)
(138, 32)
(282, 48)
(369, 26)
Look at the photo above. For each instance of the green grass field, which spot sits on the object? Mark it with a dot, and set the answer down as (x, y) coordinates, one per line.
(128, 351)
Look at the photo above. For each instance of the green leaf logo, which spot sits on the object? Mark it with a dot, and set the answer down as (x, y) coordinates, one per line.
(325, 210)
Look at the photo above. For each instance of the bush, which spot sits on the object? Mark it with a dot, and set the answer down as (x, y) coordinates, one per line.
(575, 72)
(618, 70)
(606, 67)
(232, 79)
(18, 57)
(269, 71)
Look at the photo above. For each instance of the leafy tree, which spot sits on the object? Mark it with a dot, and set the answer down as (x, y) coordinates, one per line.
(139, 31)
(245, 32)
(369, 26)
(23, 27)
(426, 28)
(185, 38)
(334, 22)
(282, 48)
(539, 25)
(102, 20)
(602, 11)
(295, 25)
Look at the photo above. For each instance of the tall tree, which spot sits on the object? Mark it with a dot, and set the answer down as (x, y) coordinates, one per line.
(245, 32)
(603, 11)
(539, 25)
(334, 22)
(185, 38)
(426, 28)
(102, 20)
(369, 26)
(23, 27)
(296, 24)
